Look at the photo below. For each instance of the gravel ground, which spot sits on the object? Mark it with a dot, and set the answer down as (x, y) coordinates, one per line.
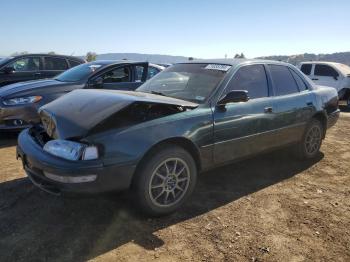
(269, 208)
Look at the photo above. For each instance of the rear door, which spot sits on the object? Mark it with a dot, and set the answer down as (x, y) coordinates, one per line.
(25, 69)
(326, 75)
(294, 103)
(53, 66)
(242, 129)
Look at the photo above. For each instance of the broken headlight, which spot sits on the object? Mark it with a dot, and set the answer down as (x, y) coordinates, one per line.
(71, 150)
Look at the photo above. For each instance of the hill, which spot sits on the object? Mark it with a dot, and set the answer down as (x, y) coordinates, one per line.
(153, 58)
(343, 57)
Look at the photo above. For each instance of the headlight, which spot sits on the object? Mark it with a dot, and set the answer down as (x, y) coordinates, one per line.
(22, 100)
(71, 150)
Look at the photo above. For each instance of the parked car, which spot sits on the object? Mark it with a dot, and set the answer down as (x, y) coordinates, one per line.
(34, 66)
(189, 118)
(19, 102)
(329, 74)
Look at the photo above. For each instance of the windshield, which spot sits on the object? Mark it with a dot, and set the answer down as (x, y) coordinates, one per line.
(192, 82)
(4, 60)
(78, 73)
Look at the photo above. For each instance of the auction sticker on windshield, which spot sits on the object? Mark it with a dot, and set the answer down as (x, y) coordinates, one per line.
(218, 67)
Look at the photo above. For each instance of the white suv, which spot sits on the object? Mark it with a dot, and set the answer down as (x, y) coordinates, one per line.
(329, 74)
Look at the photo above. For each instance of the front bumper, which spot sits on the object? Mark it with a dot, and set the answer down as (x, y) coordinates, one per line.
(333, 118)
(36, 161)
(18, 117)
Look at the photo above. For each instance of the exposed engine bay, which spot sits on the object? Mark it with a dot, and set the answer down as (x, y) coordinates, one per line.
(136, 113)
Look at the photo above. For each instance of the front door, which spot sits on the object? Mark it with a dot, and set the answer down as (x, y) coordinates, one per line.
(326, 75)
(242, 129)
(123, 77)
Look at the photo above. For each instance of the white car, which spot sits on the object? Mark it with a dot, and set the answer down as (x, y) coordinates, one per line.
(329, 74)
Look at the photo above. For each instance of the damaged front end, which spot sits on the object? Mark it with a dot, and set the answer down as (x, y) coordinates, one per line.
(67, 121)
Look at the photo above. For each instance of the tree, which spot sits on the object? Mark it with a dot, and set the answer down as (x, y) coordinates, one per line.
(91, 56)
(190, 58)
(239, 55)
(51, 53)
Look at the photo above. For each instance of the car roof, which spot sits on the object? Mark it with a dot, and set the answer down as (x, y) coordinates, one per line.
(234, 61)
(108, 62)
(52, 55)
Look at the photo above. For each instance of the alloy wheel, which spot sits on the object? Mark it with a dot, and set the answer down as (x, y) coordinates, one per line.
(313, 140)
(169, 182)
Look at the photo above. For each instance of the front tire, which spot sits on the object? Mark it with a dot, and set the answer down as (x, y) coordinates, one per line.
(165, 180)
(311, 142)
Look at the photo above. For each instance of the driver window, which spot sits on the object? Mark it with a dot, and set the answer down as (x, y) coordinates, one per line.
(118, 75)
(26, 64)
(251, 78)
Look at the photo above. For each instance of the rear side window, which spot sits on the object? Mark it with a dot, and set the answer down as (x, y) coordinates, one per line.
(306, 68)
(252, 79)
(73, 63)
(325, 70)
(300, 82)
(152, 71)
(55, 63)
(283, 80)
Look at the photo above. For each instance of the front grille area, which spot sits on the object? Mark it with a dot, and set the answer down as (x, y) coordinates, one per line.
(39, 135)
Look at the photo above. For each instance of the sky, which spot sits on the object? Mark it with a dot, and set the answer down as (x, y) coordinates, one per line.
(197, 28)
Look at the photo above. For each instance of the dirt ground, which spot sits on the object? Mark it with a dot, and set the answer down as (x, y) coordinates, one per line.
(269, 208)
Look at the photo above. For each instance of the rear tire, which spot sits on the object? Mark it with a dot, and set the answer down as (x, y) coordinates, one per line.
(310, 144)
(165, 180)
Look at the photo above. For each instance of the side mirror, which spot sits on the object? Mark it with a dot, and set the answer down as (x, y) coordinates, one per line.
(335, 77)
(234, 96)
(8, 70)
(96, 83)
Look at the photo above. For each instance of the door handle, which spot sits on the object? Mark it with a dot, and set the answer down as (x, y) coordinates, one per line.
(268, 110)
(314, 79)
(37, 74)
(309, 103)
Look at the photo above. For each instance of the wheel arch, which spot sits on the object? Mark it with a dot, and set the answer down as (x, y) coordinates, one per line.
(321, 116)
(185, 143)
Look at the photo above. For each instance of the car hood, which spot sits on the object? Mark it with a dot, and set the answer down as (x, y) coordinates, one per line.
(29, 86)
(75, 114)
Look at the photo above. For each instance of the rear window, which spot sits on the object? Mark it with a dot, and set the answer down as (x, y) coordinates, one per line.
(306, 68)
(325, 70)
(283, 80)
(55, 63)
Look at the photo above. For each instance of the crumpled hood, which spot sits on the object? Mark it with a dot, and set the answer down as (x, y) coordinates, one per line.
(74, 114)
(23, 88)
